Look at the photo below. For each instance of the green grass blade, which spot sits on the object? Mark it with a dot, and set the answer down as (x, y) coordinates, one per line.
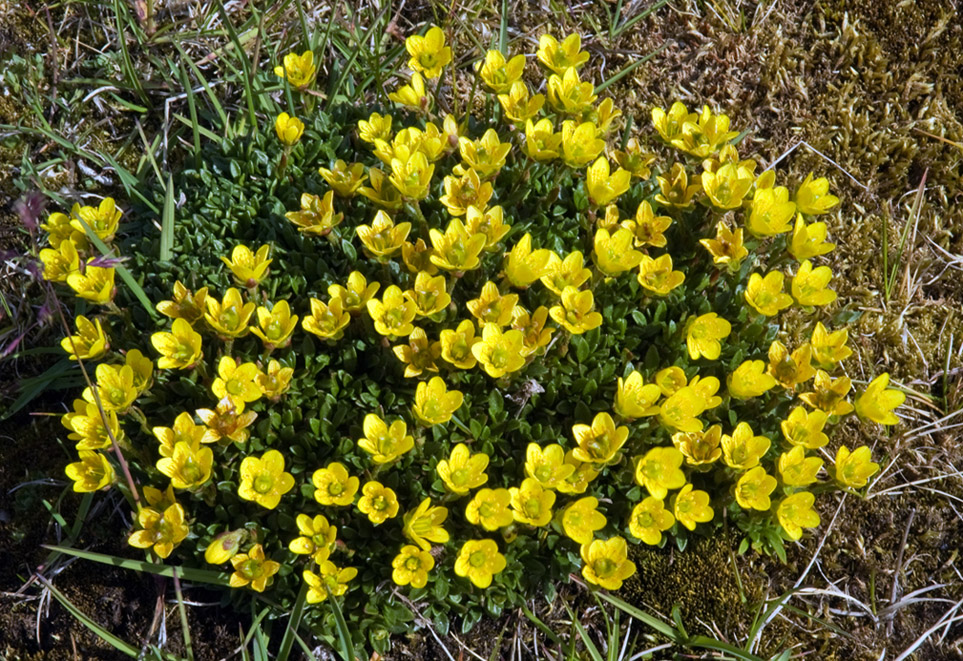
(191, 106)
(344, 634)
(167, 222)
(182, 611)
(245, 66)
(544, 628)
(207, 133)
(84, 619)
(215, 102)
(664, 628)
(122, 270)
(914, 214)
(719, 646)
(53, 378)
(503, 29)
(193, 575)
(294, 621)
(630, 68)
(586, 639)
(638, 17)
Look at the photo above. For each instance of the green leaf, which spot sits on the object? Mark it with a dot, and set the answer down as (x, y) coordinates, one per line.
(187, 573)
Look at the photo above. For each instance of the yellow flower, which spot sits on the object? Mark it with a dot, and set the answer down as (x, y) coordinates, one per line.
(229, 317)
(519, 105)
(542, 143)
(392, 315)
(491, 307)
(600, 442)
(877, 402)
(532, 503)
(699, 447)
(790, 370)
(744, 449)
(275, 381)
(853, 469)
(90, 342)
(692, 507)
(382, 239)
(160, 530)
(276, 325)
(567, 94)
(681, 408)
(490, 509)
(670, 380)
(547, 465)
(649, 519)
(417, 257)
(60, 262)
(456, 345)
(380, 192)
(809, 285)
(418, 355)
(236, 382)
(636, 399)
(249, 269)
(576, 313)
(142, 368)
(412, 175)
(727, 247)
(676, 189)
(604, 115)
(317, 538)
(727, 186)
(330, 579)
(614, 253)
(414, 95)
(581, 477)
(429, 54)
(568, 272)
(424, 524)
(703, 335)
(479, 560)
(189, 465)
(345, 179)
(490, 222)
(647, 228)
(765, 294)
(60, 229)
(317, 214)
(669, 125)
(605, 563)
(499, 353)
(385, 444)
(90, 429)
(581, 143)
(463, 471)
(796, 512)
(805, 428)
(289, 129)
(704, 133)
(327, 321)
(376, 127)
(829, 349)
(559, 57)
(829, 395)
(102, 220)
(411, 566)
(465, 191)
(581, 520)
(226, 424)
(813, 198)
(333, 485)
(253, 568)
(809, 240)
(114, 389)
(457, 249)
(428, 294)
(753, 489)
(656, 275)
(523, 266)
(92, 473)
(750, 380)
(797, 469)
(298, 70)
(634, 159)
(486, 155)
(378, 501)
(434, 403)
(356, 292)
(498, 74)
(771, 212)
(659, 470)
(93, 283)
(186, 305)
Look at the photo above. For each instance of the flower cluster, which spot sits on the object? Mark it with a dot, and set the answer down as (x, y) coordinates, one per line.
(467, 308)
